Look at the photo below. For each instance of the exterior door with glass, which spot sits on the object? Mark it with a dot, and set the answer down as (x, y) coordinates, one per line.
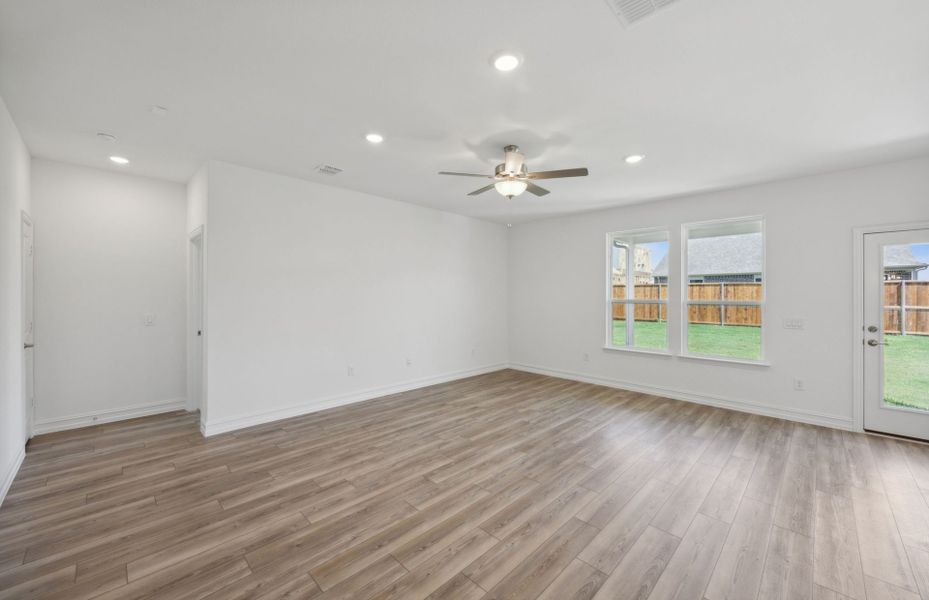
(896, 333)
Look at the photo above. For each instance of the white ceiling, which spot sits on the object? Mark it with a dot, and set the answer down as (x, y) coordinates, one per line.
(716, 93)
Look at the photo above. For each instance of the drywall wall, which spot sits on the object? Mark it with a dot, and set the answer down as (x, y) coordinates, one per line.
(112, 249)
(14, 199)
(557, 294)
(307, 281)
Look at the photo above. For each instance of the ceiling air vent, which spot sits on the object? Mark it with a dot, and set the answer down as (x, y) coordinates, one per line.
(632, 11)
(328, 169)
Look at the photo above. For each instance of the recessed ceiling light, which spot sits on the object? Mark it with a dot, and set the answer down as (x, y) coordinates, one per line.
(119, 160)
(506, 62)
(106, 137)
(634, 158)
(374, 138)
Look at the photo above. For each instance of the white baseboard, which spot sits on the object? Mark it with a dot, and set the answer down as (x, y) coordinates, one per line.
(10, 474)
(261, 417)
(108, 416)
(790, 414)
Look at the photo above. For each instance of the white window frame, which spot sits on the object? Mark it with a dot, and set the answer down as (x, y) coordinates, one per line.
(630, 323)
(686, 303)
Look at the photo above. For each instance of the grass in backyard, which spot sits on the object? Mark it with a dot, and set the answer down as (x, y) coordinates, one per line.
(906, 371)
(732, 341)
(648, 334)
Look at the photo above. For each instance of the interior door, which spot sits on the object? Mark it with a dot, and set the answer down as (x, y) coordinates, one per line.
(896, 333)
(195, 326)
(28, 240)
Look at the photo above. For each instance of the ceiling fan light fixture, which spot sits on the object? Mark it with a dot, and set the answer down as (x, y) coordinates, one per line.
(510, 187)
(505, 61)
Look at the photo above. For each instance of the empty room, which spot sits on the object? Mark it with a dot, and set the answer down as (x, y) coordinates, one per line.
(428, 300)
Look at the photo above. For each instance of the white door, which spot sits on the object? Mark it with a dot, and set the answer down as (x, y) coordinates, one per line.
(896, 333)
(28, 321)
(195, 326)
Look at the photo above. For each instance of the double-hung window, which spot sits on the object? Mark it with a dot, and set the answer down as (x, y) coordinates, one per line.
(724, 279)
(638, 290)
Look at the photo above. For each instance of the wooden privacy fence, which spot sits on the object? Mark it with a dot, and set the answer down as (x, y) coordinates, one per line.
(906, 304)
(906, 307)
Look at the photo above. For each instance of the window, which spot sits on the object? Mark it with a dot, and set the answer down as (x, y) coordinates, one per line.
(638, 290)
(725, 289)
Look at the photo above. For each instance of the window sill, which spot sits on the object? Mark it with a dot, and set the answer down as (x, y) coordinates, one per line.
(663, 353)
(723, 359)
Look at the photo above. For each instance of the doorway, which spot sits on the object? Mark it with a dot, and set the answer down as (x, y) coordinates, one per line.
(895, 332)
(28, 254)
(195, 333)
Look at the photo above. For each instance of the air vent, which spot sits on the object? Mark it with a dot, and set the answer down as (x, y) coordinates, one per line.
(328, 169)
(632, 11)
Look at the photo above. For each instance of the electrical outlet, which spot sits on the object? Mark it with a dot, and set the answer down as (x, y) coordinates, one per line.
(586, 357)
(799, 385)
(351, 370)
(409, 361)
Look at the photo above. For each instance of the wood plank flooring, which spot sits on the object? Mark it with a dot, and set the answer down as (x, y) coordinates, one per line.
(503, 486)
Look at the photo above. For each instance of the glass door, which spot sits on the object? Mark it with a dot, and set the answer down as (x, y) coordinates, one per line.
(896, 335)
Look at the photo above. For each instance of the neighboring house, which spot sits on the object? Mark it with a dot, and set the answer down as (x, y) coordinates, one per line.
(643, 268)
(721, 259)
(900, 264)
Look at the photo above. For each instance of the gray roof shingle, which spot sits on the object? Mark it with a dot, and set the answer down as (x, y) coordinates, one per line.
(721, 255)
(901, 256)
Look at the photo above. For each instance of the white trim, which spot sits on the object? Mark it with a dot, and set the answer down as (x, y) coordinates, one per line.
(109, 415)
(296, 410)
(10, 475)
(197, 237)
(28, 407)
(790, 414)
(858, 234)
(726, 359)
(650, 352)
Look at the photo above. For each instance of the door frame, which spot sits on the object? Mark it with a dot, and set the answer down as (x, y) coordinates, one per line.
(197, 238)
(858, 326)
(28, 404)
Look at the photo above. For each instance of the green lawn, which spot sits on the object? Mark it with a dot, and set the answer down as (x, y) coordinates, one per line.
(906, 371)
(906, 358)
(731, 341)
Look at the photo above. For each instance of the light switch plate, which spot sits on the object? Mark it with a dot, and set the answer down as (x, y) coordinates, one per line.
(793, 323)
(148, 319)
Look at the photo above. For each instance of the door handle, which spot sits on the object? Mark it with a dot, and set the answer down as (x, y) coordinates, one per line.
(873, 343)
(27, 346)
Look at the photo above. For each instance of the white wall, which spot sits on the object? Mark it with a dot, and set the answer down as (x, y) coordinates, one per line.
(14, 198)
(110, 247)
(306, 280)
(557, 299)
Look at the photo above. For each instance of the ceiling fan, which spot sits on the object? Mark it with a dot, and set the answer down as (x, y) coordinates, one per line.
(511, 178)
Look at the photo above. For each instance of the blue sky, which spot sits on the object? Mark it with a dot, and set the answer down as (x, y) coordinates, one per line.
(921, 252)
(658, 250)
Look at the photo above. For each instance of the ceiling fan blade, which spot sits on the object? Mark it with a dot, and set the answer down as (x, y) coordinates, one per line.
(482, 190)
(535, 189)
(582, 172)
(465, 174)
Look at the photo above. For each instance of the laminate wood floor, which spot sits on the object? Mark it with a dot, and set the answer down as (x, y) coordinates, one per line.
(506, 485)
